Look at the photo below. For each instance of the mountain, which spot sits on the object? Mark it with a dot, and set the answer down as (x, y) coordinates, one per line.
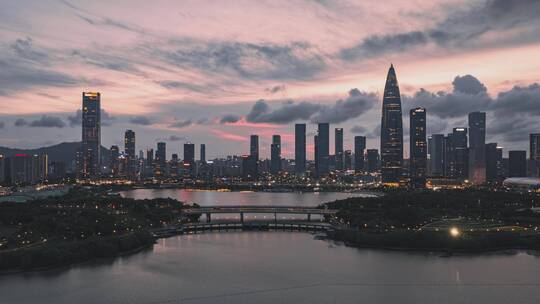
(64, 152)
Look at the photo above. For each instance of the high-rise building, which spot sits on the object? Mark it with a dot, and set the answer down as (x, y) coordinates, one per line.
(359, 147)
(249, 167)
(457, 156)
(275, 154)
(372, 157)
(477, 145)
(494, 158)
(535, 153)
(418, 147)
(160, 164)
(91, 135)
(189, 158)
(173, 165)
(300, 148)
(129, 151)
(338, 148)
(391, 131)
(436, 155)
(203, 153)
(254, 146)
(316, 152)
(114, 153)
(517, 163)
(347, 160)
(323, 148)
(2, 169)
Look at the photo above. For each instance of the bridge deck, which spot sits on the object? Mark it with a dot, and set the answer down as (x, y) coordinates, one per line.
(260, 209)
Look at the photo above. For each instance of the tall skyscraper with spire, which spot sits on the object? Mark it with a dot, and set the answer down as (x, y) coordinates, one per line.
(391, 130)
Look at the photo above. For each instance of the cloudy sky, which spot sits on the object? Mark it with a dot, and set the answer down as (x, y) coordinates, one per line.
(216, 71)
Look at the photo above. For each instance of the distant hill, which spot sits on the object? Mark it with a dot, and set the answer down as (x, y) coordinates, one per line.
(64, 152)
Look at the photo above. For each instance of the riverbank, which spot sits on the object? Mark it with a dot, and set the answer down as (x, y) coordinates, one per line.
(65, 254)
(428, 241)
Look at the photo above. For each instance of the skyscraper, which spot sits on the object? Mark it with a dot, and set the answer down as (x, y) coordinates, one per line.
(300, 148)
(323, 147)
(254, 146)
(129, 149)
(436, 155)
(372, 156)
(189, 158)
(91, 134)
(113, 160)
(359, 147)
(457, 160)
(477, 145)
(494, 160)
(418, 147)
(203, 153)
(535, 153)
(160, 159)
(347, 160)
(391, 131)
(338, 148)
(275, 154)
(517, 163)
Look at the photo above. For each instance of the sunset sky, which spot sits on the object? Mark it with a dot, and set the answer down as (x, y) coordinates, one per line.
(216, 71)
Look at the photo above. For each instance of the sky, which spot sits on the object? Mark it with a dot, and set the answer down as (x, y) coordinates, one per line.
(215, 72)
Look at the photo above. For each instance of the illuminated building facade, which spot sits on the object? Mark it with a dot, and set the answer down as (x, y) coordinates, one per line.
(391, 131)
(91, 135)
(418, 147)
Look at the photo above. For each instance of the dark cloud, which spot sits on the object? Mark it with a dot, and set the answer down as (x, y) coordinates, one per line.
(76, 119)
(355, 105)
(297, 60)
(44, 121)
(20, 122)
(23, 48)
(2, 124)
(276, 89)
(468, 95)
(229, 118)
(110, 62)
(288, 112)
(140, 120)
(461, 29)
(518, 100)
(181, 124)
(468, 84)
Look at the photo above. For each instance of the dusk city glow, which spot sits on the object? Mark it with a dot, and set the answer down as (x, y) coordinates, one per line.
(311, 151)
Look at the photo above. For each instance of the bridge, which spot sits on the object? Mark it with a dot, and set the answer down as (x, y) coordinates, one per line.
(209, 210)
(188, 228)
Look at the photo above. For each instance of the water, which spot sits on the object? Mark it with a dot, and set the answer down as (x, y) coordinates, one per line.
(280, 267)
(206, 197)
(216, 198)
(277, 267)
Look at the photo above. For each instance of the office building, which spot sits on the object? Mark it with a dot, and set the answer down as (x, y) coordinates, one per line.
(534, 153)
(338, 148)
(160, 163)
(359, 148)
(275, 154)
(203, 153)
(372, 157)
(494, 162)
(391, 131)
(90, 163)
(323, 147)
(418, 147)
(114, 165)
(517, 163)
(189, 158)
(129, 152)
(300, 148)
(477, 145)
(254, 146)
(436, 151)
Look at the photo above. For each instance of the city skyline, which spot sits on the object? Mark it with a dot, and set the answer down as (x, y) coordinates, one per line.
(295, 78)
